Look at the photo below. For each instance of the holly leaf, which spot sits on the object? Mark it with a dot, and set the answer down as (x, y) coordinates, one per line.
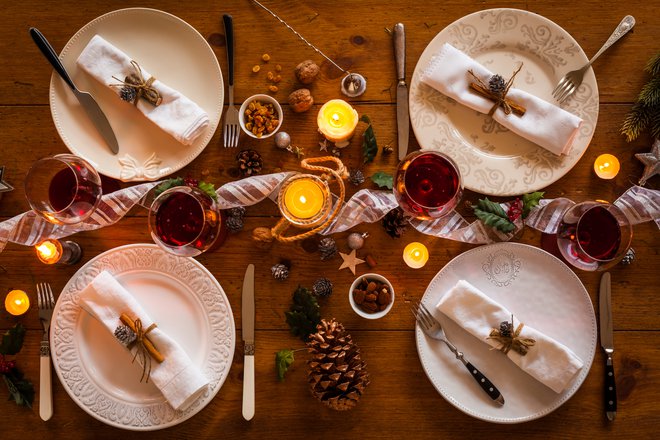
(492, 214)
(12, 340)
(383, 179)
(531, 201)
(369, 144)
(21, 391)
(304, 314)
(169, 183)
(283, 360)
(208, 188)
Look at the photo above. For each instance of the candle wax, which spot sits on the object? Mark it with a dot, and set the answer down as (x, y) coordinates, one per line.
(607, 166)
(337, 120)
(17, 302)
(415, 255)
(304, 198)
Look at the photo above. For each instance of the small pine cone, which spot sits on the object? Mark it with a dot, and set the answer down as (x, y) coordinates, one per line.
(280, 272)
(125, 335)
(327, 248)
(395, 222)
(238, 211)
(356, 177)
(234, 224)
(337, 374)
(249, 162)
(629, 257)
(128, 94)
(496, 84)
(322, 287)
(505, 328)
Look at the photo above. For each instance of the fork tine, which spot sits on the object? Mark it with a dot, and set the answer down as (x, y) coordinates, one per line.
(39, 299)
(235, 143)
(567, 92)
(414, 309)
(559, 87)
(51, 298)
(429, 317)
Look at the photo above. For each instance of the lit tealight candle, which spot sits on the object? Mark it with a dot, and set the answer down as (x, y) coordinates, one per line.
(415, 255)
(337, 120)
(49, 251)
(607, 166)
(304, 198)
(17, 302)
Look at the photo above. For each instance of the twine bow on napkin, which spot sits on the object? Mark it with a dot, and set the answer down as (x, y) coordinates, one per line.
(135, 87)
(511, 339)
(496, 90)
(133, 335)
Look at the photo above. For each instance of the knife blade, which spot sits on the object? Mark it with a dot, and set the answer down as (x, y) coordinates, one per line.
(607, 342)
(86, 100)
(402, 115)
(247, 316)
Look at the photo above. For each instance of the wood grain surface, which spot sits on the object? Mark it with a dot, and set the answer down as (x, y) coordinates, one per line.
(400, 402)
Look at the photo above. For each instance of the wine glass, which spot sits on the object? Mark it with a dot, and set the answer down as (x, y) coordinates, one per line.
(427, 185)
(64, 189)
(594, 235)
(186, 221)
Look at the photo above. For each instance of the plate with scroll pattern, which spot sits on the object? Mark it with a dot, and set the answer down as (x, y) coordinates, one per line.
(541, 291)
(183, 298)
(493, 160)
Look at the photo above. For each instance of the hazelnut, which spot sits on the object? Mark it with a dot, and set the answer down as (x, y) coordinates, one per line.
(307, 71)
(301, 100)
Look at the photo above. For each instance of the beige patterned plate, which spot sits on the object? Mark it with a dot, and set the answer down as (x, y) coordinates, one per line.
(493, 160)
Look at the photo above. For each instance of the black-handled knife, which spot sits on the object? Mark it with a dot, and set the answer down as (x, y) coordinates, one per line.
(607, 342)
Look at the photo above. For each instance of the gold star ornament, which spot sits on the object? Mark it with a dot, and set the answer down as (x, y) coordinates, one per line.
(350, 260)
(651, 161)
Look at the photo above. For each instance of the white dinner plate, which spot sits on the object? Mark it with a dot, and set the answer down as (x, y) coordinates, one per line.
(540, 291)
(172, 51)
(493, 160)
(185, 301)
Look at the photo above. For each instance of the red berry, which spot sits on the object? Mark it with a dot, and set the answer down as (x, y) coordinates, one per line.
(191, 182)
(515, 210)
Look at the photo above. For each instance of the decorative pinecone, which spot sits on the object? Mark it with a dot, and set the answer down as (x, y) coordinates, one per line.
(327, 248)
(238, 211)
(337, 374)
(629, 257)
(280, 272)
(249, 162)
(234, 224)
(128, 93)
(395, 222)
(125, 335)
(496, 84)
(322, 287)
(356, 176)
(506, 328)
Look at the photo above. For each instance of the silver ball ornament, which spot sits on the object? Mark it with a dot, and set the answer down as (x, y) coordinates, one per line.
(282, 140)
(356, 240)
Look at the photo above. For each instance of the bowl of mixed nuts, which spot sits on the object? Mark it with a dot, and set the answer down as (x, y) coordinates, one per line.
(371, 296)
(260, 116)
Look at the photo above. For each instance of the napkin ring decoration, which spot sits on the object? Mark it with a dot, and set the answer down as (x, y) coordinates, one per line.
(496, 90)
(510, 339)
(134, 87)
(133, 335)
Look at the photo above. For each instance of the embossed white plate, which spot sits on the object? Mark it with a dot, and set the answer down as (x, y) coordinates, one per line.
(172, 51)
(186, 302)
(542, 292)
(493, 160)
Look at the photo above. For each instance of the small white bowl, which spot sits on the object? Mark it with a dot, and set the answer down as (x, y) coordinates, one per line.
(357, 308)
(266, 99)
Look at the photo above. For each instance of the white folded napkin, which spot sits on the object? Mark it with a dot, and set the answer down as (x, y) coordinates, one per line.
(176, 115)
(543, 123)
(547, 361)
(176, 377)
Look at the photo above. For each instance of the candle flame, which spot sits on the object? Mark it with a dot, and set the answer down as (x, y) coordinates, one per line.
(46, 249)
(335, 117)
(303, 199)
(18, 302)
(416, 253)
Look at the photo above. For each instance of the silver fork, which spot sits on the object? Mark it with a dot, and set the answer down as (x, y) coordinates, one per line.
(231, 129)
(572, 80)
(46, 304)
(433, 329)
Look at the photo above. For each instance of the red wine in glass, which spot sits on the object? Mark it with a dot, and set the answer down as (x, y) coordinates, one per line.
(428, 185)
(593, 235)
(68, 192)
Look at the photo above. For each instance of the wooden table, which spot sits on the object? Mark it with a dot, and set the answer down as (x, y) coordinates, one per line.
(400, 402)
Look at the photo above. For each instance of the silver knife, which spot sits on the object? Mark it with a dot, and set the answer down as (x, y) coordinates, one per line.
(607, 342)
(86, 100)
(402, 116)
(247, 315)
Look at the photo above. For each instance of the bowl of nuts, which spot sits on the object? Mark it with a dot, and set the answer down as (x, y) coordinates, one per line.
(260, 116)
(371, 296)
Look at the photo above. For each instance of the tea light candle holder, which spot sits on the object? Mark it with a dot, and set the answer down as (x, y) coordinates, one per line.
(337, 121)
(53, 251)
(415, 255)
(304, 200)
(17, 302)
(607, 166)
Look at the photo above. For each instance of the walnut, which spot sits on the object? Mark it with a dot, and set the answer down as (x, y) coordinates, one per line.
(301, 100)
(307, 71)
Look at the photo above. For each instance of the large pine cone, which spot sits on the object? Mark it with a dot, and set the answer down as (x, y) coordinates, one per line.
(337, 374)
(249, 162)
(395, 222)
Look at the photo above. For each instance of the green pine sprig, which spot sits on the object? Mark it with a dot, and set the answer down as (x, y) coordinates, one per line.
(645, 113)
(20, 389)
(369, 144)
(492, 214)
(653, 65)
